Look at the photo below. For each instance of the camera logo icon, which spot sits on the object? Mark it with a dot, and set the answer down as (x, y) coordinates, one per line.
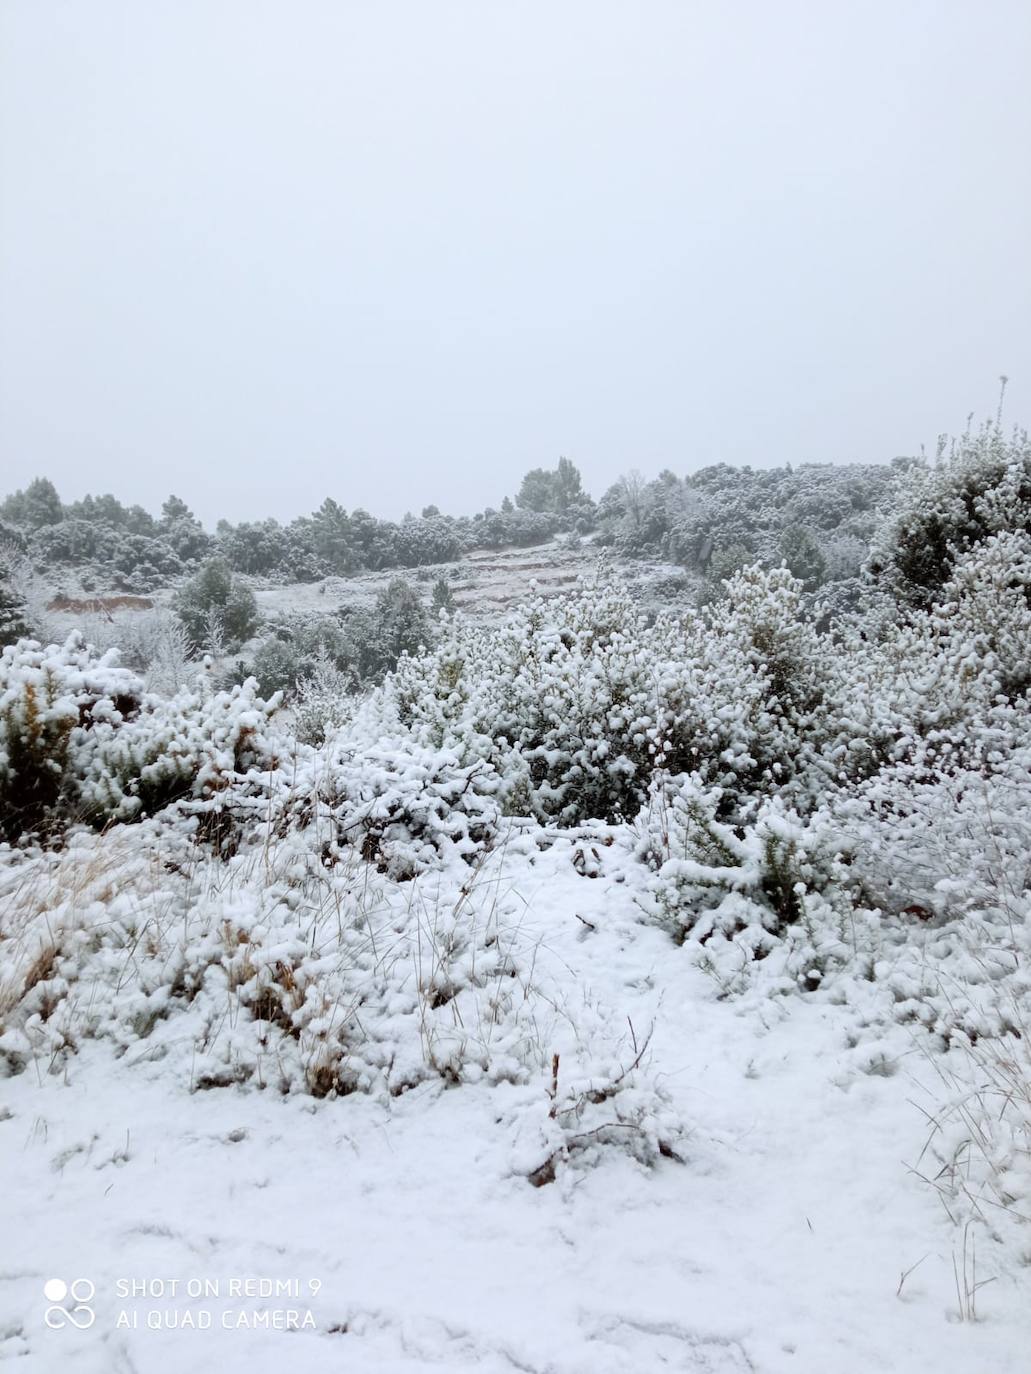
(58, 1314)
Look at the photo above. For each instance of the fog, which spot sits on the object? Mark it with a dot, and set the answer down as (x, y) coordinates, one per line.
(399, 253)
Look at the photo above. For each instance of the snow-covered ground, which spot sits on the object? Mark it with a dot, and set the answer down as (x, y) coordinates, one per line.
(487, 582)
(788, 1236)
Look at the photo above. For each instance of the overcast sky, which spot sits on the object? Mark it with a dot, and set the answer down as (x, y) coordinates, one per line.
(397, 253)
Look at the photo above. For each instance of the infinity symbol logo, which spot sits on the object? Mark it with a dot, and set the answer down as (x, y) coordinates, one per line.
(81, 1315)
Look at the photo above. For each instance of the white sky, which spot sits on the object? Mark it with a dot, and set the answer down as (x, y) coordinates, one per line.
(400, 251)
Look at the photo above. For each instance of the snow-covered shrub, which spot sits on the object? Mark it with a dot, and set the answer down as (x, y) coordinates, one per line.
(963, 980)
(981, 487)
(720, 518)
(801, 553)
(443, 598)
(294, 649)
(556, 700)
(944, 841)
(14, 612)
(983, 621)
(767, 671)
(574, 701)
(612, 1100)
(198, 743)
(53, 701)
(398, 622)
(727, 558)
(749, 885)
(843, 555)
(81, 741)
(406, 808)
(942, 689)
(933, 743)
(153, 643)
(24, 594)
(324, 702)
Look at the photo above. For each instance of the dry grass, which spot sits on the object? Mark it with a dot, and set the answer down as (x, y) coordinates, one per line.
(977, 1153)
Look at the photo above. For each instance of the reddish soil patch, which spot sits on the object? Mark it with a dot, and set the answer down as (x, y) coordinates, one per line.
(101, 603)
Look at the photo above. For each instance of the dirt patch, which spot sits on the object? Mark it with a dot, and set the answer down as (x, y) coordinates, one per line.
(100, 603)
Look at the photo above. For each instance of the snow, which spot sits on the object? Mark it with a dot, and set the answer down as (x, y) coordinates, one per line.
(486, 1081)
(485, 583)
(775, 1242)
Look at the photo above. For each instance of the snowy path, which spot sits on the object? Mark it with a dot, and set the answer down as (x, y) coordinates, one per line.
(776, 1246)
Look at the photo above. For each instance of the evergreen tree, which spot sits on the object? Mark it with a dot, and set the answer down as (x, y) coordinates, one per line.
(397, 623)
(553, 492)
(13, 613)
(13, 624)
(36, 506)
(174, 509)
(443, 599)
(213, 596)
(803, 557)
(42, 504)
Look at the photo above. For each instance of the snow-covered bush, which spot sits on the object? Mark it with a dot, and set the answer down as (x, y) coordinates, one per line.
(398, 622)
(14, 612)
(980, 487)
(81, 741)
(556, 701)
(775, 859)
(153, 643)
(198, 743)
(801, 553)
(940, 841)
(983, 620)
(406, 808)
(746, 886)
(720, 518)
(933, 741)
(574, 701)
(615, 1103)
(767, 671)
(843, 555)
(24, 594)
(294, 649)
(324, 701)
(53, 702)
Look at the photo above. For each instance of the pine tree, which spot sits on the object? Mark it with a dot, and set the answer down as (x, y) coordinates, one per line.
(215, 596)
(443, 599)
(13, 611)
(554, 492)
(36, 506)
(803, 557)
(13, 625)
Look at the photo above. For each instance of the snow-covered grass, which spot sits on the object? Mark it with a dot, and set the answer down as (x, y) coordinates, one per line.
(977, 1154)
(781, 1231)
(283, 968)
